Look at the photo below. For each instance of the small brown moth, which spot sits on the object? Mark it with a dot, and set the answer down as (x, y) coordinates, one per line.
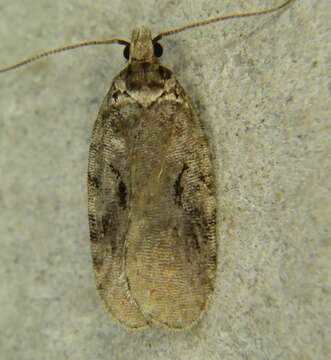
(151, 192)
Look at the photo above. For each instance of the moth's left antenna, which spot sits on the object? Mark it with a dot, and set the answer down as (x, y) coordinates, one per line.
(61, 49)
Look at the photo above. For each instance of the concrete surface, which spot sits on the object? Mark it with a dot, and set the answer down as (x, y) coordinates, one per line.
(261, 86)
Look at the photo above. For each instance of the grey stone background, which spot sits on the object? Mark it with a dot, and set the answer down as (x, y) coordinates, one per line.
(262, 87)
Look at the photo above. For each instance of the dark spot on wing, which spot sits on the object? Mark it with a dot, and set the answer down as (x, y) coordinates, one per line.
(179, 187)
(122, 194)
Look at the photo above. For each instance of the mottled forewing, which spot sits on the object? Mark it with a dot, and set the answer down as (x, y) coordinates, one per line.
(109, 216)
(171, 240)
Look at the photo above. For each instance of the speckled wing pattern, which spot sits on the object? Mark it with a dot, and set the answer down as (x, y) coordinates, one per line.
(152, 211)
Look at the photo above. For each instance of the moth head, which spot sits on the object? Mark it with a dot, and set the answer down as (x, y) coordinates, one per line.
(142, 47)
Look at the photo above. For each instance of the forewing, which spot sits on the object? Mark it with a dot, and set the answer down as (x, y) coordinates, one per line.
(108, 217)
(171, 240)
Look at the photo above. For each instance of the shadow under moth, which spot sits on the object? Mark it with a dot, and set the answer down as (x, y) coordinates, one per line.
(151, 191)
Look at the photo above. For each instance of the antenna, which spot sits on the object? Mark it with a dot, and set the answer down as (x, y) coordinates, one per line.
(220, 18)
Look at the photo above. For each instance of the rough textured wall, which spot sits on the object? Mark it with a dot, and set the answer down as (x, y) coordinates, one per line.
(260, 85)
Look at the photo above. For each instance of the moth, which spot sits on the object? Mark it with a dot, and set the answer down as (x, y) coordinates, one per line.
(151, 191)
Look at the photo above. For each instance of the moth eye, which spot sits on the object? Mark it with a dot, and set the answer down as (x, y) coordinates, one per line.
(158, 50)
(126, 52)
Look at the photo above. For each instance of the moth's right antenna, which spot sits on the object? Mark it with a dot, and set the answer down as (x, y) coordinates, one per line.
(220, 18)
